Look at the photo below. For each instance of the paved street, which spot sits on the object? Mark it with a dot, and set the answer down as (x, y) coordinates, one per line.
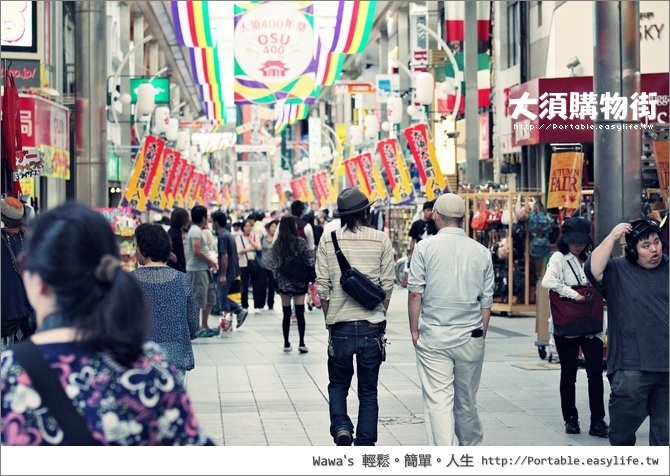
(247, 391)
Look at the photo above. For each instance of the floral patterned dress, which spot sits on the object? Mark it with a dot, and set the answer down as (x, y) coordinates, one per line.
(138, 405)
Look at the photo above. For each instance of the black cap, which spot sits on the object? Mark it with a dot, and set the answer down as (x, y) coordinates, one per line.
(576, 230)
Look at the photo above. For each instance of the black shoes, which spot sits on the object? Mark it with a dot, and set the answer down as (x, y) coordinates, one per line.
(599, 428)
(343, 438)
(572, 426)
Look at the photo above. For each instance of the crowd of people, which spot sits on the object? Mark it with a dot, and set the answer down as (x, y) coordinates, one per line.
(125, 339)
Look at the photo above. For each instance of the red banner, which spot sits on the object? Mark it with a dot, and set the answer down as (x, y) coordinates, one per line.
(144, 171)
(185, 179)
(320, 187)
(423, 152)
(295, 187)
(396, 172)
(351, 166)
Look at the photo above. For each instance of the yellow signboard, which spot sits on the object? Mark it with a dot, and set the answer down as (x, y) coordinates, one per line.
(565, 180)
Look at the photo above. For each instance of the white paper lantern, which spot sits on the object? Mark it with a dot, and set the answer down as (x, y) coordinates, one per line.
(386, 126)
(172, 132)
(371, 126)
(145, 99)
(161, 119)
(425, 86)
(355, 135)
(412, 110)
(394, 108)
(125, 99)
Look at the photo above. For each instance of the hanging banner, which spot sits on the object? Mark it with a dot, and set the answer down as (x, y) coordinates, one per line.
(274, 51)
(396, 172)
(226, 199)
(319, 188)
(372, 177)
(153, 202)
(565, 180)
(184, 182)
(175, 178)
(280, 193)
(144, 171)
(355, 180)
(306, 190)
(423, 152)
(295, 188)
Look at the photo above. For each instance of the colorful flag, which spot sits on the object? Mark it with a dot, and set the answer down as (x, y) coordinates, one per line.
(354, 23)
(372, 177)
(184, 182)
(191, 23)
(175, 178)
(396, 172)
(423, 151)
(351, 166)
(329, 65)
(144, 171)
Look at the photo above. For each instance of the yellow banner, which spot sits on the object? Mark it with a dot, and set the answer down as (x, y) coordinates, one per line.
(144, 172)
(565, 180)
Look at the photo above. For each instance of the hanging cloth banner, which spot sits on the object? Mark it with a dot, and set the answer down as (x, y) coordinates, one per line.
(225, 195)
(372, 177)
(295, 188)
(319, 188)
(153, 200)
(173, 185)
(144, 171)
(354, 176)
(307, 194)
(186, 177)
(565, 180)
(423, 152)
(396, 172)
(280, 193)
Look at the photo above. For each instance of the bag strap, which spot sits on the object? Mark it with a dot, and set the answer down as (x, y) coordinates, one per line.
(579, 281)
(341, 260)
(29, 356)
(11, 251)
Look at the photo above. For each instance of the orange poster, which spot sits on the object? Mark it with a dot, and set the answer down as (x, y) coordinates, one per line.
(565, 180)
(661, 153)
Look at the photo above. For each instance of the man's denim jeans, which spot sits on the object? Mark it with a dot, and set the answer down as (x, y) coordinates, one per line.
(367, 345)
(225, 303)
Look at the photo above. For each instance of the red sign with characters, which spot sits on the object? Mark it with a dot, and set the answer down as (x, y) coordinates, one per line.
(45, 126)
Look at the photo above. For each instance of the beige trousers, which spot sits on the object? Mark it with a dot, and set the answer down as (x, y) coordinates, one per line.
(450, 380)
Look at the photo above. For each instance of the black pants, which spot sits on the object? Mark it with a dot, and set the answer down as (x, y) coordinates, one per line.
(568, 353)
(259, 285)
(268, 292)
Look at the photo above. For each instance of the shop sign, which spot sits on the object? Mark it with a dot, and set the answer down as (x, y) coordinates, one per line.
(29, 164)
(661, 155)
(19, 27)
(45, 126)
(354, 88)
(385, 85)
(161, 89)
(26, 72)
(559, 110)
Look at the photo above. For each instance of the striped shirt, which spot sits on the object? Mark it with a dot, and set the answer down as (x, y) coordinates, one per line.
(455, 275)
(367, 250)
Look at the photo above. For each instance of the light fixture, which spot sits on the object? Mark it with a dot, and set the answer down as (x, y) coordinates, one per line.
(572, 65)
(386, 126)
(371, 126)
(355, 135)
(394, 108)
(425, 88)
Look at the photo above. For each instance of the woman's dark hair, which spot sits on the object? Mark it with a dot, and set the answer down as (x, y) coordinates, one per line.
(244, 223)
(562, 246)
(288, 232)
(74, 250)
(356, 221)
(270, 223)
(153, 242)
(179, 218)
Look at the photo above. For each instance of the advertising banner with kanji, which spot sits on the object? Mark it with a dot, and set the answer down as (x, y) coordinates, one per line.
(144, 171)
(423, 151)
(396, 172)
(184, 181)
(372, 177)
(306, 189)
(175, 179)
(320, 188)
(355, 175)
(295, 188)
(565, 180)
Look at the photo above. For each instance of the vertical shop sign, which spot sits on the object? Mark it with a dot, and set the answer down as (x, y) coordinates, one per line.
(396, 172)
(423, 152)
(565, 180)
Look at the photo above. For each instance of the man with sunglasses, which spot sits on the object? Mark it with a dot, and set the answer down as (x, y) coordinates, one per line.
(636, 290)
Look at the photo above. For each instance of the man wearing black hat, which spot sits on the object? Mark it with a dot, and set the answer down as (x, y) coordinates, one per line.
(17, 313)
(636, 290)
(353, 329)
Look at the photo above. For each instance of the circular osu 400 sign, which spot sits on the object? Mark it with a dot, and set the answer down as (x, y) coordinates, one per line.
(274, 43)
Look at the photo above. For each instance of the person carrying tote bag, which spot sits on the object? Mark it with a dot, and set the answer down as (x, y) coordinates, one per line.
(577, 317)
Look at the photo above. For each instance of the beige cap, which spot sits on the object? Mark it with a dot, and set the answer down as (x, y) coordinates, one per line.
(450, 205)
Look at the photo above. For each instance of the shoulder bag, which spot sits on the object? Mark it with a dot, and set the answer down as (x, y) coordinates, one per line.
(253, 264)
(46, 383)
(356, 284)
(297, 268)
(572, 318)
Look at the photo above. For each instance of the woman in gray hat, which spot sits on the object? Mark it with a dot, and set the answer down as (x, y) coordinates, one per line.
(565, 272)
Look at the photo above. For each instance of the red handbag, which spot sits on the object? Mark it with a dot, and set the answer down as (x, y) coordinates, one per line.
(481, 218)
(572, 318)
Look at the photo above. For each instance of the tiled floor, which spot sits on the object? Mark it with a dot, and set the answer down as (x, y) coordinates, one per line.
(247, 392)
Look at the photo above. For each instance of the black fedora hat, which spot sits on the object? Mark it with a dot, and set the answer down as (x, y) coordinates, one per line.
(351, 201)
